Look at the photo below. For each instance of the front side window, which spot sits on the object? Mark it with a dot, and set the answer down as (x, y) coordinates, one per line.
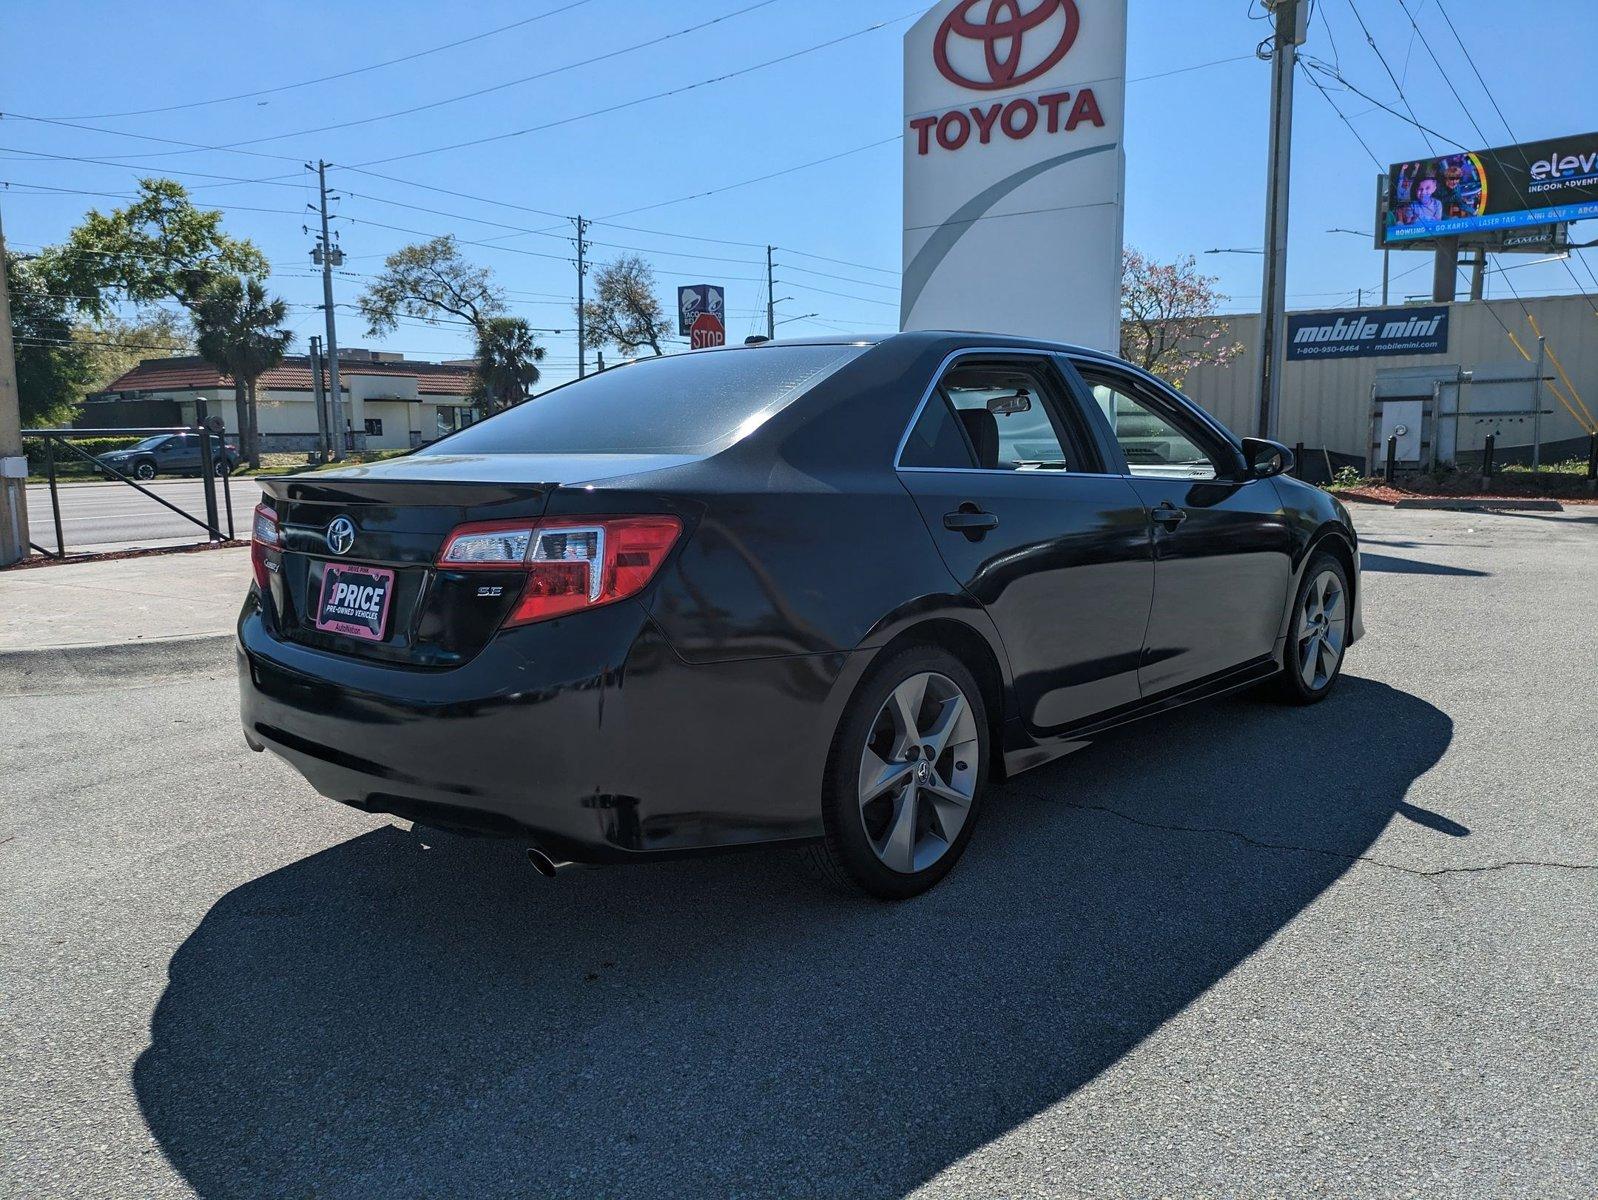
(1152, 443)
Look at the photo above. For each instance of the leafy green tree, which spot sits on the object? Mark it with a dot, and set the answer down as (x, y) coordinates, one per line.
(430, 281)
(53, 372)
(508, 355)
(625, 312)
(239, 331)
(159, 247)
(114, 346)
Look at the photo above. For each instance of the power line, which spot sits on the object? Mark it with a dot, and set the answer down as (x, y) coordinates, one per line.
(815, 162)
(808, 287)
(274, 180)
(1310, 75)
(237, 147)
(1493, 99)
(1397, 87)
(625, 104)
(191, 147)
(476, 37)
(842, 262)
(892, 287)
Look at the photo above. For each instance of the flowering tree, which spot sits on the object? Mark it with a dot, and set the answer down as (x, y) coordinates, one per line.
(1168, 321)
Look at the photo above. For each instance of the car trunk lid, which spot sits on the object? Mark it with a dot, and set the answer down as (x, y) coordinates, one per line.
(399, 515)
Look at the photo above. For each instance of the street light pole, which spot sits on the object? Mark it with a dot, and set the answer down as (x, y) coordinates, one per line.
(1291, 21)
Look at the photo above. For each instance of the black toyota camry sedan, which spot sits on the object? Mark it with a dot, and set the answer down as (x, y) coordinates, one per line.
(814, 592)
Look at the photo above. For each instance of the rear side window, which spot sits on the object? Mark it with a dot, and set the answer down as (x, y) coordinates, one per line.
(680, 404)
(995, 415)
(936, 439)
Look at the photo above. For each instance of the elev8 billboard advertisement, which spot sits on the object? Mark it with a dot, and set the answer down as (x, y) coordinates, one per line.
(1534, 183)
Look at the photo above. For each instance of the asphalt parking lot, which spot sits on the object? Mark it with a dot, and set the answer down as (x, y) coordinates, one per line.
(1342, 951)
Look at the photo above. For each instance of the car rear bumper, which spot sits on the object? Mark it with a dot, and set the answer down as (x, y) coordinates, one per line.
(588, 737)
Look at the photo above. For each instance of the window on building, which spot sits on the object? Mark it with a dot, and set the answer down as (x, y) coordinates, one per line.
(374, 426)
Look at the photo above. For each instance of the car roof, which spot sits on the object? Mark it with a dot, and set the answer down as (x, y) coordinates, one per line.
(955, 338)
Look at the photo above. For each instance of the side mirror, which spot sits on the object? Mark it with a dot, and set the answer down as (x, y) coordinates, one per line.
(1266, 458)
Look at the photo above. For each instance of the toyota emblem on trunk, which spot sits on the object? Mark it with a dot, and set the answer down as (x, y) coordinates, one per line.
(340, 535)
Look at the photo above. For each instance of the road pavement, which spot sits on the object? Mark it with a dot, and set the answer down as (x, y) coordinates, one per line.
(108, 516)
(1338, 951)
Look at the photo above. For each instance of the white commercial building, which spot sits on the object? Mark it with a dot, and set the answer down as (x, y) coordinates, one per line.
(388, 402)
(1345, 398)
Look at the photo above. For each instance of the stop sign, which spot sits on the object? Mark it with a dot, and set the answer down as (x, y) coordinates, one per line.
(707, 331)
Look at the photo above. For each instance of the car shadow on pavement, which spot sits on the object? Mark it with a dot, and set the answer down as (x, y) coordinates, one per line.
(384, 1018)
(1412, 566)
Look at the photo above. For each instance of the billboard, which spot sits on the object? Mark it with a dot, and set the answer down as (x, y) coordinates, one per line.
(1014, 168)
(1534, 183)
(699, 298)
(1373, 334)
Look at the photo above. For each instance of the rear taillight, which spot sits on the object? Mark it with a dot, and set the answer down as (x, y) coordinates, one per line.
(570, 565)
(264, 535)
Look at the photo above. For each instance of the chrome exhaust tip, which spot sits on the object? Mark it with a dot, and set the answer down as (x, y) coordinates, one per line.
(546, 866)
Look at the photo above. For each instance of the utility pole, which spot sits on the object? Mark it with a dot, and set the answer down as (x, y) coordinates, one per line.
(1292, 19)
(582, 271)
(323, 426)
(13, 463)
(1478, 274)
(771, 300)
(330, 256)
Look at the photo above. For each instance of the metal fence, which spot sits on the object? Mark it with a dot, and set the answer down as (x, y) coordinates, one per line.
(57, 443)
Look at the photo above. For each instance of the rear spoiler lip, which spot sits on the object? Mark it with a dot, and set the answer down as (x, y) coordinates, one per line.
(463, 493)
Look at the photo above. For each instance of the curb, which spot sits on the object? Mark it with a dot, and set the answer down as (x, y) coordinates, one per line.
(1505, 505)
(59, 668)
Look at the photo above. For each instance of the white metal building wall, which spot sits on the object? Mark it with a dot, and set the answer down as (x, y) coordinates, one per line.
(1326, 403)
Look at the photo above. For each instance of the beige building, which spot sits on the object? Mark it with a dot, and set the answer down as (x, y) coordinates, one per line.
(1347, 405)
(389, 402)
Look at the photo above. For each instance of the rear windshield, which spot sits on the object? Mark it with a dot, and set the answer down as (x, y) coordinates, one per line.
(680, 404)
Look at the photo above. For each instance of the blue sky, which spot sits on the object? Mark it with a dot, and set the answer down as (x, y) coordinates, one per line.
(1195, 140)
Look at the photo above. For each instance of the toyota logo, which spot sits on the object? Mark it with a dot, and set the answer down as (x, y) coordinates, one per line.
(340, 535)
(1006, 26)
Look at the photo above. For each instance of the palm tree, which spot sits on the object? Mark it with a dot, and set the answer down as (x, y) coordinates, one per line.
(508, 355)
(239, 332)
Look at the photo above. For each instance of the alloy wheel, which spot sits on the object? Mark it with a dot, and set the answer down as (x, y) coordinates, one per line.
(144, 471)
(1322, 630)
(918, 772)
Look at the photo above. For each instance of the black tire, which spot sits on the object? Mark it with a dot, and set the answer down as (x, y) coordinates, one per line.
(143, 471)
(219, 468)
(1294, 685)
(846, 859)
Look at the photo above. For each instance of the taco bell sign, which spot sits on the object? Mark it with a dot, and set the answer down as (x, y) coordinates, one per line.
(1014, 170)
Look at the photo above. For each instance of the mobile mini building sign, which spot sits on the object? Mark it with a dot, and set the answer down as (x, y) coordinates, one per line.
(1014, 168)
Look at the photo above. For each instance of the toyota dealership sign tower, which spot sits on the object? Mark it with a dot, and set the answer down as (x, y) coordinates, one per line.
(1014, 170)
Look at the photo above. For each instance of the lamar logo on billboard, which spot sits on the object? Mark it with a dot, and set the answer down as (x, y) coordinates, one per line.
(1017, 45)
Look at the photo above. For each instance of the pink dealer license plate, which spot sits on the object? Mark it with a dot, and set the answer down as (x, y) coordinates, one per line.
(355, 600)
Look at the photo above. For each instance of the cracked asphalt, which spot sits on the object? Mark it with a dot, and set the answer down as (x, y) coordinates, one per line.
(1345, 951)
